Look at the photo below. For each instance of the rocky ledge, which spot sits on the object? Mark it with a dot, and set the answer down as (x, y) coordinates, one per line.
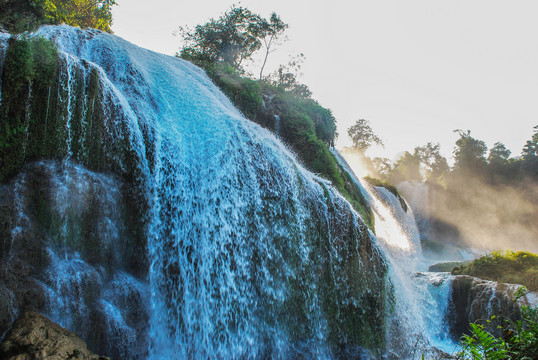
(34, 337)
(477, 300)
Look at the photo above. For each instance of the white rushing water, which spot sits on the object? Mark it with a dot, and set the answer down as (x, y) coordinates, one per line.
(422, 298)
(250, 255)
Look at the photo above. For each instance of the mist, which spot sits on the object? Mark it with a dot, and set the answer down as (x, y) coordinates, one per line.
(486, 216)
(477, 210)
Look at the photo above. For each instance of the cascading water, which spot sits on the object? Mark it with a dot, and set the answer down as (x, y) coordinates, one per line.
(422, 299)
(417, 194)
(166, 226)
(188, 227)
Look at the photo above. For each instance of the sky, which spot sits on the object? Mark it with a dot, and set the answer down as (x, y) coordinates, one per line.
(416, 69)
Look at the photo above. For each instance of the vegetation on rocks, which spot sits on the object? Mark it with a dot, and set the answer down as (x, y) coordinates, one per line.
(29, 70)
(277, 102)
(25, 15)
(446, 266)
(390, 187)
(508, 267)
(519, 339)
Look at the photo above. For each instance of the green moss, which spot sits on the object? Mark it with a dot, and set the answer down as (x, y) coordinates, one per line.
(446, 266)
(245, 93)
(307, 127)
(29, 70)
(390, 187)
(510, 267)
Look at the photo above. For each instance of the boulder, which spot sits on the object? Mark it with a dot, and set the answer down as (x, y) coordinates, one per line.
(477, 300)
(33, 336)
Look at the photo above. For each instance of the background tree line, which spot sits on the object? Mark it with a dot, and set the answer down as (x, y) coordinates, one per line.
(486, 200)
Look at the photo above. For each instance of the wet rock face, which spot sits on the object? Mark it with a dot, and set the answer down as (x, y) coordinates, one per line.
(33, 336)
(477, 300)
(65, 252)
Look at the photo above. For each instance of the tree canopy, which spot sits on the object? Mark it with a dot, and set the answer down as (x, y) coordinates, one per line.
(498, 154)
(94, 14)
(22, 15)
(231, 39)
(469, 153)
(530, 150)
(363, 136)
(433, 162)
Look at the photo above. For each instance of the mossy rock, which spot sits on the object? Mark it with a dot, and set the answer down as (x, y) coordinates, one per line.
(446, 266)
(509, 267)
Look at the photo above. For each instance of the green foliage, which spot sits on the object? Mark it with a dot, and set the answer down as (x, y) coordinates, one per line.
(469, 154)
(446, 266)
(94, 14)
(17, 16)
(22, 15)
(530, 150)
(381, 183)
(498, 154)
(482, 345)
(29, 64)
(230, 39)
(406, 168)
(518, 342)
(244, 92)
(390, 187)
(509, 267)
(529, 162)
(285, 77)
(433, 162)
(363, 136)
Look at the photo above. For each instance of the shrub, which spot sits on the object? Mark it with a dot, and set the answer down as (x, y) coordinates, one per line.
(390, 187)
(510, 267)
(519, 339)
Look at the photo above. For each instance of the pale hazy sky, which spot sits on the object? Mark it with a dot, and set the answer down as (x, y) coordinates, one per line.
(416, 69)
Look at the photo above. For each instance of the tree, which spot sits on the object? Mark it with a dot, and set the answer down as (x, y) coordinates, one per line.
(529, 161)
(382, 166)
(469, 153)
(229, 40)
(363, 136)
(434, 163)
(498, 155)
(94, 14)
(530, 150)
(274, 29)
(406, 168)
(286, 76)
(22, 15)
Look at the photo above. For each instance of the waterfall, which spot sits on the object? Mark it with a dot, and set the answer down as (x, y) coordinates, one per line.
(171, 227)
(418, 196)
(421, 317)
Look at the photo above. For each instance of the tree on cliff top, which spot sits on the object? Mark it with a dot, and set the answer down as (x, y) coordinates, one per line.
(363, 136)
(22, 15)
(94, 14)
(231, 39)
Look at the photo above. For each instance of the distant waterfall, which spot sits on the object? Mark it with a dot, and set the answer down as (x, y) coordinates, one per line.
(421, 318)
(419, 198)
